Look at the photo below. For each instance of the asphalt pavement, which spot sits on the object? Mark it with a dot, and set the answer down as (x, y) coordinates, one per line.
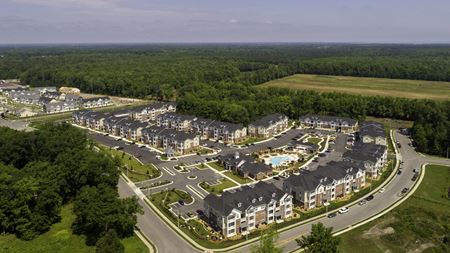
(166, 240)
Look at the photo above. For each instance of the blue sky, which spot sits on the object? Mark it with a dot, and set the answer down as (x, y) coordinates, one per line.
(97, 21)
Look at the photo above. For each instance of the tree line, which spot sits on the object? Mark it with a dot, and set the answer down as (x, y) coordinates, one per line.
(55, 165)
(241, 103)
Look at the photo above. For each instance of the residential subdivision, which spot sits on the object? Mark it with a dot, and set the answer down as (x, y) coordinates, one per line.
(152, 111)
(329, 123)
(268, 126)
(327, 183)
(247, 208)
(52, 101)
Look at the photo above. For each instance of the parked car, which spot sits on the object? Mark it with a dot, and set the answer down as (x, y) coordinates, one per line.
(381, 190)
(331, 215)
(362, 202)
(105, 134)
(369, 198)
(405, 190)
(414, 178)
(276, 178)
(343, 210)
(399, 172)
(181, 202)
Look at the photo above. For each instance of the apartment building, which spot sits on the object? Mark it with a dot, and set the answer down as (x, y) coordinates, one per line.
(372, 132)
(334, 180)
(244, 210)
(152, 111)
(268, 126)
(329, 123)
(170, 139)
(373, 157)
(179, 122)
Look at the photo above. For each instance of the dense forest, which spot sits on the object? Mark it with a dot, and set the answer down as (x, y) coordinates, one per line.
(218, 80)
(42, 170)
(242, 103)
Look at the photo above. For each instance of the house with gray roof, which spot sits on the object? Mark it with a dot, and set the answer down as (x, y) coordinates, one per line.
(245, 166)
(96, 102)
(60, 106)
(334, 180)
(25, 96)
(245, 209)
(372, 132)
(372, 156)
(268, 126)
(329, 123)
(43, 90)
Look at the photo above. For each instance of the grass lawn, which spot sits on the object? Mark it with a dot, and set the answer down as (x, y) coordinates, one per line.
(419, 223)
(136, 171)
(366, 86)
(218, 189)
(164, 198)
(237, 178)
(216, 166)
(60, 239)
(249, 140)
(316, 140)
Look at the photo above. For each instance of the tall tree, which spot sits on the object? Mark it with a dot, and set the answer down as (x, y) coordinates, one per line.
(320, 240)
(109, 243)
(267, 243)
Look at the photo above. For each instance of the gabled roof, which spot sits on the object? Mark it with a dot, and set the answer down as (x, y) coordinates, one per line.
(372, 129)
(244, 197)
(329, 119)
(269, 120)
(173, 116)
(326, 174)
(365, 152)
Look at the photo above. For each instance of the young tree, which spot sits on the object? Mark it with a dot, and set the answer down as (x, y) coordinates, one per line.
(319, 241)
(109, 243)
(267, 243)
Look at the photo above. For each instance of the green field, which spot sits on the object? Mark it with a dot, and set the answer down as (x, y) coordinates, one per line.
(366, 86)
(417, 225)
(60, 239)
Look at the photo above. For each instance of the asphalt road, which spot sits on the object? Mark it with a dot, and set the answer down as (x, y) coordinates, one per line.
(167, 240)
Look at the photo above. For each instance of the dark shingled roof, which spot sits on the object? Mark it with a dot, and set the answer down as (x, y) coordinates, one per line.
(246, 196)
(372, 129)
(309, 180)
(269, 120)
(365, 152)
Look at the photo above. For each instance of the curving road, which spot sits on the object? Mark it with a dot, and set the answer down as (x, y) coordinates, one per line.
(166, 240)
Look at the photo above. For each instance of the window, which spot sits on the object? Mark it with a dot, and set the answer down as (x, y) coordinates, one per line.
(231, 231)
(231, 224)
(271, 212)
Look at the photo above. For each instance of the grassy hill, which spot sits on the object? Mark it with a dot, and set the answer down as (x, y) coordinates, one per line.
(60, 239)
(417, 225)
(366, 86)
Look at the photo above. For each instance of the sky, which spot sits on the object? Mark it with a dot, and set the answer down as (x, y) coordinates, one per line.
(178, 21)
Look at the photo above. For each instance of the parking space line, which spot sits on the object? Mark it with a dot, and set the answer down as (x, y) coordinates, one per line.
(195, 191)
(168, 171)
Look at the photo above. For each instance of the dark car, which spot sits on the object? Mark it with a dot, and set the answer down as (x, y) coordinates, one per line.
(276, 178)
(331, 215)
(399, 172)
(181, 202)
(405, 190)
(414, 178)
(369, 198)
(322, 154)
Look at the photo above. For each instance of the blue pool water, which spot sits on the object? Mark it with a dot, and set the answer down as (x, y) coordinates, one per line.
(277, 160)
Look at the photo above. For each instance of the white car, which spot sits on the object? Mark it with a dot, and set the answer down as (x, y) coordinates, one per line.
(343, 210)
(381, 190)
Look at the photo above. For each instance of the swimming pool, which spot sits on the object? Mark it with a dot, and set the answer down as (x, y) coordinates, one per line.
(280, 159)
